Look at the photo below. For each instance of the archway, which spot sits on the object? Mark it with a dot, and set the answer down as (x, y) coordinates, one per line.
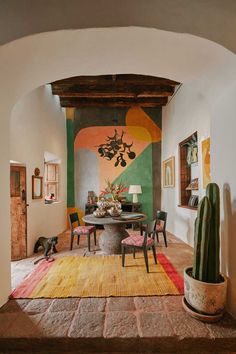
(33, 61)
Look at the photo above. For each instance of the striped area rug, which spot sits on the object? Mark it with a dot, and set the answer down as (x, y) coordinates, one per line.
(100, 276)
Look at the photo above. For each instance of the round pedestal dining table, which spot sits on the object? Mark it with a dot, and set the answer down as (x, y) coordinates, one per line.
(114, 229)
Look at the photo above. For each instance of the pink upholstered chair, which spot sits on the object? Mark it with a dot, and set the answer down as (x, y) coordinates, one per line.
(161, 220)
(141, 242)
(79, 230)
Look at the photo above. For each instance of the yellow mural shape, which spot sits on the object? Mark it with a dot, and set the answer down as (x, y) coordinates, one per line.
(136, 117)
(74, 210)
(206, 162)
(70, 113)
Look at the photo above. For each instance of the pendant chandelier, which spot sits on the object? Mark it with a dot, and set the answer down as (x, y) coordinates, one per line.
(116, 148)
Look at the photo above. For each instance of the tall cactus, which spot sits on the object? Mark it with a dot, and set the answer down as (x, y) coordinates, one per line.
(213, 193)
(206, 237)
(201, 240)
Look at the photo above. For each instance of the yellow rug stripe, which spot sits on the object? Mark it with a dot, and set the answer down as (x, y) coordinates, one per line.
(103, 276)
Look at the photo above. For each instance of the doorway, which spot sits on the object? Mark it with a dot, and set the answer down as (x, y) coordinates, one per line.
(18, 211)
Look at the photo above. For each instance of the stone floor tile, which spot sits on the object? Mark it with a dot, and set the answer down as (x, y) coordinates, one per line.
(187, 327)
(23, 326)
(56, 324)
(89, 324)
(120, 324)
(154, 324)
(70, 304)
(149, 303)
(6, 319)
(173, 303)
(14, 305)
(225, 328)
(120, 304)
(38, 305)
(93, 304)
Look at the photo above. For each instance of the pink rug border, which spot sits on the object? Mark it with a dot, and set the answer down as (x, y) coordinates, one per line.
(172, 273)
(25, 288)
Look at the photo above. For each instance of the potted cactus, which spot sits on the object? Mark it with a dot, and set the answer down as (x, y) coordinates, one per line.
(204, 286)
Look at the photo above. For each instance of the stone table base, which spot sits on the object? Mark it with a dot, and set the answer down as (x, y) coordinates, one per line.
(110, 239)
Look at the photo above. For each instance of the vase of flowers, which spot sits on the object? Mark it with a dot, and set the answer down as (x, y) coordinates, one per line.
(109, 198)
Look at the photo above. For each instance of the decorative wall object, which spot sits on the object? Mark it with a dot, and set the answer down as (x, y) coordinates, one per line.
(169, 172)
(115, 147)
(37, 185)
(192, 149)
(206, 162)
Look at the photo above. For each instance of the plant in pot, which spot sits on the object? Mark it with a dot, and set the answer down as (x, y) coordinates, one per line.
(204, 286)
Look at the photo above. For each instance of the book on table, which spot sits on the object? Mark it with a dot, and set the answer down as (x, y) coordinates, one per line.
(129, 216)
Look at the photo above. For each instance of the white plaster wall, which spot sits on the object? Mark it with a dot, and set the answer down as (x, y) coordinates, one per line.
(38, 125)
(186, 113)
(86, 176)
(223, 157)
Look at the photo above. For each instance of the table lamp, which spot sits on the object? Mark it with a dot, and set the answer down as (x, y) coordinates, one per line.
(135, 189)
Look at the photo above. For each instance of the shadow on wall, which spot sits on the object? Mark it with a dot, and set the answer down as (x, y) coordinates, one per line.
(228, 239)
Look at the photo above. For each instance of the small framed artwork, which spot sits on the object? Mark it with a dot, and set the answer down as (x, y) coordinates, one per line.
(168, 172)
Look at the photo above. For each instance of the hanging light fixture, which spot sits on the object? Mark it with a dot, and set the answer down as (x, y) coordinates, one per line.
(115, 147)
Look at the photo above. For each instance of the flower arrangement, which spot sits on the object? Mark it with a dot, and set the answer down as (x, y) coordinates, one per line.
(114, 190)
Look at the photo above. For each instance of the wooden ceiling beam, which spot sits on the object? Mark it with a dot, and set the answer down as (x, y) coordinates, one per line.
(112, 102)
(113, 91)
(119, 79)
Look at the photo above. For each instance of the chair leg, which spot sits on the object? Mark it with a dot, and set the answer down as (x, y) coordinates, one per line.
(164, 234)
(89, 242)
(78, 239)
(71, 241)
(146, 259)
(141, 229)
(134, 252)
(123, 255)
(154, 253)
(157, 237)
(95, 241)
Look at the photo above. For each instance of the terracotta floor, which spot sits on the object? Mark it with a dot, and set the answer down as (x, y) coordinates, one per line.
(102, 325)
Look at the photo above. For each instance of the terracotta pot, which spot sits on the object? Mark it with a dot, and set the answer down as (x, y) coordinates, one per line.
(206, 298)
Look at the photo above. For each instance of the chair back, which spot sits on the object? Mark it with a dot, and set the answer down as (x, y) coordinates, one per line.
(73, 218)
(150, 231)
(162, 216)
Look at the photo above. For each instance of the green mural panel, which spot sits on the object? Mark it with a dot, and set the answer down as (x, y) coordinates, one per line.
(70, 164)
(140, 172)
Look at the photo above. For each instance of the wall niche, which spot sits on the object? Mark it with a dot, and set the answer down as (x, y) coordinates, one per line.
(189, 172)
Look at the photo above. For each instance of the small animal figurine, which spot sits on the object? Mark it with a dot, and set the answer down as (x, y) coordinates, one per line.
(48, 244)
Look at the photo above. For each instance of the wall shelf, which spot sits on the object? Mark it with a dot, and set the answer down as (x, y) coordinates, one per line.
(188, 174)
(187, 207)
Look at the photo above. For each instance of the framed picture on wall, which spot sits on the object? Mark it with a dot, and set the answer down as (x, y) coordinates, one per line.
(168, 172)
(206, 162)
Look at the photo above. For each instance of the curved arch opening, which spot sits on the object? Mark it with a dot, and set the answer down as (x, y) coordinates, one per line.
(203, 66)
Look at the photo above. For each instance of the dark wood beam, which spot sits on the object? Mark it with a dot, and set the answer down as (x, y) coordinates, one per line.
(121, 78)
(113, 91)
(112, 102)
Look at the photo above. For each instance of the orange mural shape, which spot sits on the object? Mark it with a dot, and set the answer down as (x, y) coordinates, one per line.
(136, 118)
(91, 137)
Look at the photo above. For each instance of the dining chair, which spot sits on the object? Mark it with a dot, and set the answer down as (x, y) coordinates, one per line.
(79, 230)
(141, 242)
(161, 220)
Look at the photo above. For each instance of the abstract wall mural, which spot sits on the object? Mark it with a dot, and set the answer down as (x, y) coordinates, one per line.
(140, 132)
